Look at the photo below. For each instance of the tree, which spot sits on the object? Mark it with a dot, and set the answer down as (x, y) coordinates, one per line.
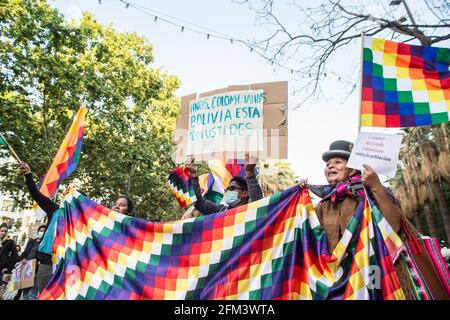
(275, 176)
(311, 43)
(424, 176)
(49, 68)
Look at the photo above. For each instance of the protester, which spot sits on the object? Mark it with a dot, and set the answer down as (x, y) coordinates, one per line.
(240, 191)
(44, 267)
(8, 252)
(124, 205)
(44, 260)
(28, 254)
(340, 200)
(334, 215)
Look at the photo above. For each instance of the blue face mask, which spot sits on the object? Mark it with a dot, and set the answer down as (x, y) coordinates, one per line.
(231, 198)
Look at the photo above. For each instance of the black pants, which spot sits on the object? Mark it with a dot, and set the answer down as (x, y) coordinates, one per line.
(43, 276)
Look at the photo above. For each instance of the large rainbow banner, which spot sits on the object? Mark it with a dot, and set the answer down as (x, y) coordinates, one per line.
(273, 248)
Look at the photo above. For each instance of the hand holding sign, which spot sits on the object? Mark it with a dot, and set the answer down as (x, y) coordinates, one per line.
(370, 177)
(250, 164)
(190, 167)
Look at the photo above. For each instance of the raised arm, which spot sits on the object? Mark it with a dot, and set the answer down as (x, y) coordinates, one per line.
(44, 202)
(202, 205)
(254, 189)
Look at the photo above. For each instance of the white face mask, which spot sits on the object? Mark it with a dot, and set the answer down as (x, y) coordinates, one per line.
(40, 234)
(231, 198)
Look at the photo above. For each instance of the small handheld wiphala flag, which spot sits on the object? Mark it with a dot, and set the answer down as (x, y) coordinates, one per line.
(181, 186)
(404, 85)
(67, 157)
(212, 184)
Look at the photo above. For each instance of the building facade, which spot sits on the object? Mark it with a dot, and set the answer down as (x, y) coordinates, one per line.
(21, 222)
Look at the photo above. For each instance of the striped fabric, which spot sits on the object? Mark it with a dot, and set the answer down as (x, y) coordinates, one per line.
(431, 248)
(420, 289)
(273, 248)
(434, 251)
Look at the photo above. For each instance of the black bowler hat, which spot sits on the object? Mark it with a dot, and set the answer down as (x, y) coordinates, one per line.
(338, 149)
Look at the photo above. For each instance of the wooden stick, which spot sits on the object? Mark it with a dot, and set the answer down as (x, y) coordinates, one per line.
(10, 148)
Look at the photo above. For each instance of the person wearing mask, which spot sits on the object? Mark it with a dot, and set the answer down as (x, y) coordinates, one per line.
(239, 191)
(30, 253)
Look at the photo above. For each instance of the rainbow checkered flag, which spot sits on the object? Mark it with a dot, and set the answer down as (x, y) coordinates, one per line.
(273, 248)
(65, 161)
(404, 85)
(212, 184)
(181, 186)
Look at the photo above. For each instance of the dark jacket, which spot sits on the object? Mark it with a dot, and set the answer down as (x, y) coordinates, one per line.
(47, 205)
(8, 255)
(208, 207)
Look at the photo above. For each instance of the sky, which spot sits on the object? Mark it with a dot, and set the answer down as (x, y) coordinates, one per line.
(204, 65)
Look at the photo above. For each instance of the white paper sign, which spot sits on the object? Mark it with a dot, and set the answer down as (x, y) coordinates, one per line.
(378, 150)
(230, 121)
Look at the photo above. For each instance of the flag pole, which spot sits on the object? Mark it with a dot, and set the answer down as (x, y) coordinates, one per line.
(10, 148)
(361, 82)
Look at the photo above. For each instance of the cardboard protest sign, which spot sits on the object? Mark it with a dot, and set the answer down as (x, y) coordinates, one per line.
(24, 275)
(244, 117)
(378, 150)
(231, 121)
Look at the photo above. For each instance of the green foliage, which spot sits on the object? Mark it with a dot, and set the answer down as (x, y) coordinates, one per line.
(50, 68)
(275, 176)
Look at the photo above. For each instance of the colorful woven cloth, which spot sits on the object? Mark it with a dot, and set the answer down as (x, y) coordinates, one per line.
(404, 85)
(420, 288)
(212, 183)
(273, 248)
(181, 186)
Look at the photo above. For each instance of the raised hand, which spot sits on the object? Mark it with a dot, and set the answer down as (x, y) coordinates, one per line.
(25, 168)
(190, 167)
(250, 165)
(370, 178)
